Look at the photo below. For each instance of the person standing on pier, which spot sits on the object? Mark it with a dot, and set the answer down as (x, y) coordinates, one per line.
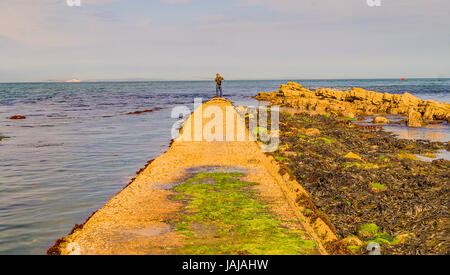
(218, 81)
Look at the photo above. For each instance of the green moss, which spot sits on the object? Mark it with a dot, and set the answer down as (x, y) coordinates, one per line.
(178, 198)
(349, 118)
(227, 219)
(261, 131)
(307, 212)
(383, 238)
(302, 136)
(326, 140)
(282, 159)
(378, 186)
(403, 238)
(368, 231)
(354, 248)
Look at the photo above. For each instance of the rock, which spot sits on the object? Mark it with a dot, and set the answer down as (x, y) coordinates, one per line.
(352, 241)
(414, 119)
(290, 154)
(353, 156)
(312, 132)
(368, 231)
(407, 156)
(18, 117)
(403, 238)
(380, 120)
(295, 86)
(348, 114)
(355, 102)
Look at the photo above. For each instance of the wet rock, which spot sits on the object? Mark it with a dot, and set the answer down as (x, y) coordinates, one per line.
(144, 111)
(290, 154)
(380, 120)
(352, 241)
(442, 163)
(414, 119)
(353, 156)
(403, 238)
(407, 156)
(311, 132)
(429, 155)
(18, 117)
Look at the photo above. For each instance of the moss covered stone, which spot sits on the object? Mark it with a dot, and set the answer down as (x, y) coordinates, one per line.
(224, 217)
(368, 231)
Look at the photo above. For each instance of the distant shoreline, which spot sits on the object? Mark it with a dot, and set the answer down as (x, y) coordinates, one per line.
(228, 80)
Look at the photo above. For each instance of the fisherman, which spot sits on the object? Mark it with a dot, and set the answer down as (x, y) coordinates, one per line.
(218, 81)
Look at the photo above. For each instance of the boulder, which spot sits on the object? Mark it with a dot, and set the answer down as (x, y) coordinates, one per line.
(414, 119)
(380, 120)
(312, 132)
(352, 241)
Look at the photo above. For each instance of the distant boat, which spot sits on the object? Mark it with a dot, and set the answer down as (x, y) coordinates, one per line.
(73, 80)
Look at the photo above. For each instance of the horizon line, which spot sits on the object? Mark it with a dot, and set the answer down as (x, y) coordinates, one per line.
(200, 80)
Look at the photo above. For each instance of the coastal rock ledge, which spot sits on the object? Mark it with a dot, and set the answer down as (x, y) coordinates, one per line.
(357, 102)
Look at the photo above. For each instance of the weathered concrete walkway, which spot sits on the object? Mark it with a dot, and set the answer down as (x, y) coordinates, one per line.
(140, 219)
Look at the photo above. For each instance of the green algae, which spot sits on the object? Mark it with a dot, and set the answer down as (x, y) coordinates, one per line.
(282, 159)
(261, 131)
(368, 231)
(326, 140)
(349, 118)
(223, 216)
(378, 186)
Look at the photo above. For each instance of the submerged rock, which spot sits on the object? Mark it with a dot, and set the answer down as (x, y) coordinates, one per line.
(18, 117)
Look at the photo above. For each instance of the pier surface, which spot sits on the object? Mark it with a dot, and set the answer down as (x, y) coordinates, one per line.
(201, 197)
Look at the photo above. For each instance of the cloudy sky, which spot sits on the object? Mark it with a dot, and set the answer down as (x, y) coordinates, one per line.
(243, 39)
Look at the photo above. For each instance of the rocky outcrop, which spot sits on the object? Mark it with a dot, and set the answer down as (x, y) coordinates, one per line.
(356, 102)
(18, 117)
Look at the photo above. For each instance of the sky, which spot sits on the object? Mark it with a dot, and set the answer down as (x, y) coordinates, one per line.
(49, 40)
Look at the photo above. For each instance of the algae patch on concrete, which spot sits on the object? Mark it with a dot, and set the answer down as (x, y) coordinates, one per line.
(223, 216)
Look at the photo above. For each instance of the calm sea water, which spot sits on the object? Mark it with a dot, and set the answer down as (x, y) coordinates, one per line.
(78, 147)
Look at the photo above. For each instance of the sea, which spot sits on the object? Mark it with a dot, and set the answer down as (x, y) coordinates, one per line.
(79, 146)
